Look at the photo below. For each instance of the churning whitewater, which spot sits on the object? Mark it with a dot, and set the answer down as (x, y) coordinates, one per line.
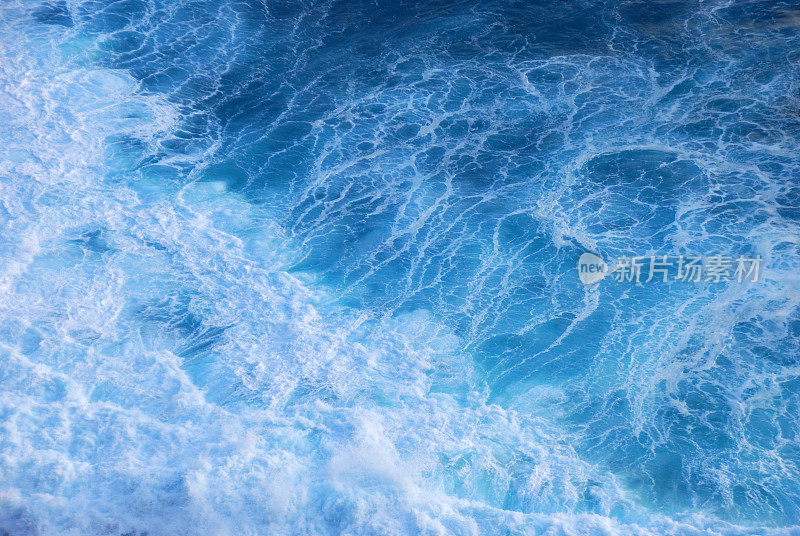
(308, 267)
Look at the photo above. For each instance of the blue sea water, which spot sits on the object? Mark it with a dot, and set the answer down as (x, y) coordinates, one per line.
(308, 267)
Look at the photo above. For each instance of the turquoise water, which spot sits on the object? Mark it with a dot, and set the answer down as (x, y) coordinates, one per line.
(309, 268)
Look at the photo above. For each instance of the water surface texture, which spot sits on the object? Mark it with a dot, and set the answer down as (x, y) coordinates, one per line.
(308, 267)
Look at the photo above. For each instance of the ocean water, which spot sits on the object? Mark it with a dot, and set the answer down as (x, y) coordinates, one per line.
(309, 268)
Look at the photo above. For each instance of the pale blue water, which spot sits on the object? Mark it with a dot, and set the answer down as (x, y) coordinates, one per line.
(308, 268)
